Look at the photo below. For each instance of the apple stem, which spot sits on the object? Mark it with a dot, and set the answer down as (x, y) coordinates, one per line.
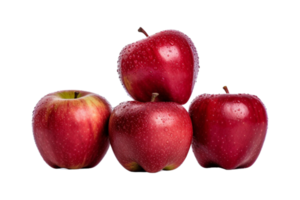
(154, 95)
(226, 88)
(76, 95)
(142, 30)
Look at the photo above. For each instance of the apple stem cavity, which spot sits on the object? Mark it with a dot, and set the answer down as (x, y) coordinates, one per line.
(226, 88)
(142, 30)
(154, 95)
(76, 95)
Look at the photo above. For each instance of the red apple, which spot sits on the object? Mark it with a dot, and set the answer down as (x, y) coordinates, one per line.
(229, 129)
(71, 129)
(150, 136)
(166, 63)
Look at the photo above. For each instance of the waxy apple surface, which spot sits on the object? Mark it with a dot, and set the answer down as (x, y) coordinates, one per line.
(71, 129)
(229, 129)
(150, 136)
(166, 63)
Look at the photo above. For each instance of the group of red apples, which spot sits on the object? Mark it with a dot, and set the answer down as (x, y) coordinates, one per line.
(73, 129)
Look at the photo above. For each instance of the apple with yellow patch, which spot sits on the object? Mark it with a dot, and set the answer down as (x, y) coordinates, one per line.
(71, 128)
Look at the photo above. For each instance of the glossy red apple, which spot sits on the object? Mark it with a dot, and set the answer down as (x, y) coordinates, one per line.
(166, 63)
(229, 129)
(71, 129)
(150, 136)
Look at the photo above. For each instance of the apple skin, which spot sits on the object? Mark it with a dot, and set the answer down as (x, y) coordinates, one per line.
(229, 129)
(71, 133)
(166, 63)
(150, 136)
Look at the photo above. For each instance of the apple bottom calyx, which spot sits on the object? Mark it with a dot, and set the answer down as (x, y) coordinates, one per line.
(140, 170)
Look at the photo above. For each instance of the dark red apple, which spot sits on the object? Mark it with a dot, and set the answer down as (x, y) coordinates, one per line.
(166, 63)
(71, 129)
(150, 136)
(229, 129)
